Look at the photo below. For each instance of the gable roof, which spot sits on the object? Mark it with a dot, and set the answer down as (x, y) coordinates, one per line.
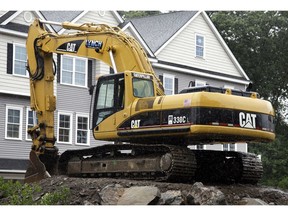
(156, 30)
(6, 16)
(60, 16)
(56, 16)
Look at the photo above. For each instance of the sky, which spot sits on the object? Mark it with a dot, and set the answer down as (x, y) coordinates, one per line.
(163, 5)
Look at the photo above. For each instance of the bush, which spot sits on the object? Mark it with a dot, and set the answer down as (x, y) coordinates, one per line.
(16, 193)
(283, 184)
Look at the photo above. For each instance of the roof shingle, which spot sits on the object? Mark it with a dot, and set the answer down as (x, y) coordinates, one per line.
(156, 30)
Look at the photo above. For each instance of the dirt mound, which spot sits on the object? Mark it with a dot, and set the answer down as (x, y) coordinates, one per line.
(105, 191)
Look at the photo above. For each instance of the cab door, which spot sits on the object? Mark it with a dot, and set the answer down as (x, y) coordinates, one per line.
(107, 99)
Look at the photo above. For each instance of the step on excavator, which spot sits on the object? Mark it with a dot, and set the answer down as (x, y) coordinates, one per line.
(151, 131)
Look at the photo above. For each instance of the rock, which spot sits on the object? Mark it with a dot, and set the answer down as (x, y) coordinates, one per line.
(207, 195)
(140, 195)
(111, 193)
(86, 202)
(251, 201)
(171, 197)
(108, 191)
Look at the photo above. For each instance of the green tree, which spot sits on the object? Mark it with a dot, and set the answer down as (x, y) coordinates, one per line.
(137, 13)
(258, 39)
(259, 42)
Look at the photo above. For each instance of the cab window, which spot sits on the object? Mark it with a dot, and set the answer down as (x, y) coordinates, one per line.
(142, 88)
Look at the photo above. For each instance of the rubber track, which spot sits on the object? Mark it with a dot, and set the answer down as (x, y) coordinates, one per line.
(252, 169)
(187, 165)
(214, 166)
(182, 170)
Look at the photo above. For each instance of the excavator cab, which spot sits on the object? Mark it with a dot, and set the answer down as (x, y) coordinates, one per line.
(112, 98)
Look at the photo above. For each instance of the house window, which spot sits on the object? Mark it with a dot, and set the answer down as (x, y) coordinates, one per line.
(168, 83)
(13, 129)
(200, 147)
(199, 46)
(82, 129)
(74, 71)
(229, 147)
(200, 83)
(19, 62)
(31, 121)
(232, 147)
(228, 87)
(65, 128)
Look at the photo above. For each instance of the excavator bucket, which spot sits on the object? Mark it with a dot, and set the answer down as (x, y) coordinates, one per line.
(36, 170)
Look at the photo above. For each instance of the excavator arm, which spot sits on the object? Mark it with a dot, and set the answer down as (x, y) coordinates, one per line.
(96, 41)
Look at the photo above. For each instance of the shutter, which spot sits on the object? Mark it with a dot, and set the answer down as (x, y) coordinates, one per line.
(58, 67)
(111, 71)
(90, 77)
(9, 58)
(176, 86)
(161, 78)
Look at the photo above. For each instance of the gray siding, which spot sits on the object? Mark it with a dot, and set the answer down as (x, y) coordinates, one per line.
(75, 100)
(13, 149)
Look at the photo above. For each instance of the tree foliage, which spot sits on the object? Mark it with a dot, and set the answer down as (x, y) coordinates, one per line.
(137, 13)
(258, 39)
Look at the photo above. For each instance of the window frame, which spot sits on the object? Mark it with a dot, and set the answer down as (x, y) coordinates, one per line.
(200, 83)
(169, 76)
(196, 45)
(70, 128)
(74, 71)
(14, 60)
(88, 129)
(229, 147)
(28, 109)
(14, 107)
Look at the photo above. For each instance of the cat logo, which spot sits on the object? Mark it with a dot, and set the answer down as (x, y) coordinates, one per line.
(71, 47)
(247, 120)
(135, 123)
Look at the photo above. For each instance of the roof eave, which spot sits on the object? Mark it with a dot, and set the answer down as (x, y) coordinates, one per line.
(138, 37)
(224, 45)
(176, 33)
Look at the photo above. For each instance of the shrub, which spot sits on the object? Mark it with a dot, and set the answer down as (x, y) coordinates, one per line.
(16, 193)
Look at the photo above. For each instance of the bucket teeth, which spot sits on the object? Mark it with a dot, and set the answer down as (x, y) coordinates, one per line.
(36, 170)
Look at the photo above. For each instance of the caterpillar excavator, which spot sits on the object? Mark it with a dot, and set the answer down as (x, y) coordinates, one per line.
(151, 131)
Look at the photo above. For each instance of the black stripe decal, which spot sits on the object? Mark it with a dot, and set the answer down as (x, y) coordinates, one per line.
(156, 131)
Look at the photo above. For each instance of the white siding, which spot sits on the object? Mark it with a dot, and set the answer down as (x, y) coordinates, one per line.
(109, 19)
(9, 82)
(181, 50)
(93, 16)
(20, 18)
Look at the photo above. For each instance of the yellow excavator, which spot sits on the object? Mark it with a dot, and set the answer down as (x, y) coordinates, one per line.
(150, 130)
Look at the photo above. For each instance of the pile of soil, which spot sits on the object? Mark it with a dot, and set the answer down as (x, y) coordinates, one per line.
(108, 191)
